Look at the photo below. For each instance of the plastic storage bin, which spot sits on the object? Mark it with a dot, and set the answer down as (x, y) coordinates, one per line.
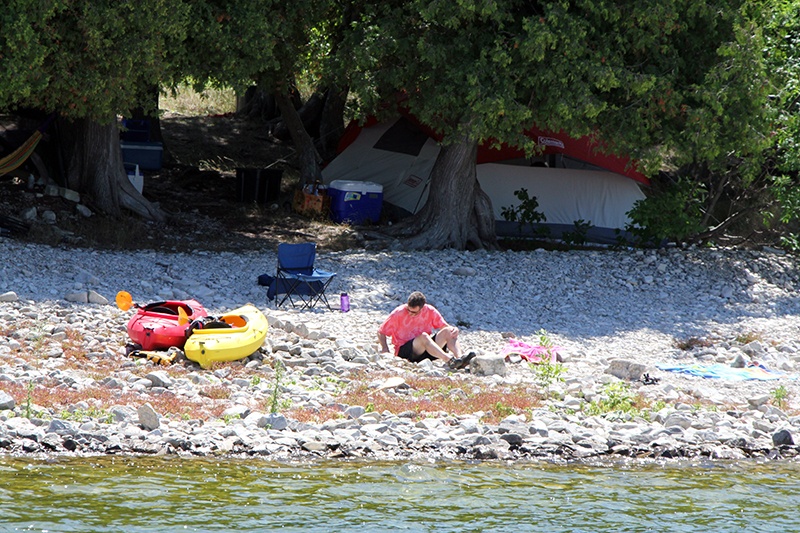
(135, 130)
(355, 201)
(260, 185)
(146, 155)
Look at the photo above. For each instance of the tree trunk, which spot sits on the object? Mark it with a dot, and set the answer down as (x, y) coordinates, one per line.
(256, 104)
(309, 114)
(458, 214)
(94, 168)
(331, 125)
(307, 153)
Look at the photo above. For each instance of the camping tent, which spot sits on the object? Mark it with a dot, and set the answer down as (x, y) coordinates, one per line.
(570, 182)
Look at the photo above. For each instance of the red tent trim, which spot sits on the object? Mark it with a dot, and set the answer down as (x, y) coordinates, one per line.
(583, 148)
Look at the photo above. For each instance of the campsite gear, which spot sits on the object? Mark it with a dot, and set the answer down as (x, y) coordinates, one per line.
(230, 337)
(159, 325)
(312, 200)
(164, 358)
(296, 277)
(15, 159)
(344, 302)
(578, 183)
(355, 202)
(753, 371)
(259, 185)
(533, 354)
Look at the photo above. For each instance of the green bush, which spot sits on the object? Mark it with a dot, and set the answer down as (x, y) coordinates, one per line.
(673, 214)
(526, 212)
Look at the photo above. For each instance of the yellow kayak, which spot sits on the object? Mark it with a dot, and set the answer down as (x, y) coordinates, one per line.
(233, 336)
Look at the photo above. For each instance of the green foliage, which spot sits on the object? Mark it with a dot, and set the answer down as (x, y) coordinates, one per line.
(28, 411)
(579, 235)
(80, 415)
(90, 59)
(615, 397)
(276, 388)
(502, 410)
(526, 213)
(674, 214)
(779, 397)
(548, 373)
(227, 419)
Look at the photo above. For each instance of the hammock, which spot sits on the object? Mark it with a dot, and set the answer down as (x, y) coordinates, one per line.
(16, 158)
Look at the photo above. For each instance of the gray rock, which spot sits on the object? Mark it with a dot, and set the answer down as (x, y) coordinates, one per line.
(354, 411)
(78, 297)
(159, 378)
(61, 427)
(758, 401)
(739, 361)
(488, 365)
(6, 401)
(9, 296)
(782, 438)
(148, 418)
(627, 370)
(95, 298)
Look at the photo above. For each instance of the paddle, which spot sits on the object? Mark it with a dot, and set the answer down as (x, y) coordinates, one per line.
(124, 300)
(183, 318)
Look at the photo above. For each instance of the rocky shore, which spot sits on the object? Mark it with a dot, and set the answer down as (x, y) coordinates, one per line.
(317, 385)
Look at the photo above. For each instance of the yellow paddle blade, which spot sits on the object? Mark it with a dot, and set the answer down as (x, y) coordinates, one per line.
(183, 318)
(124, 300)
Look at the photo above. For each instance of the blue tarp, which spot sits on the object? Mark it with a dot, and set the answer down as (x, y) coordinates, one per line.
(723, 371)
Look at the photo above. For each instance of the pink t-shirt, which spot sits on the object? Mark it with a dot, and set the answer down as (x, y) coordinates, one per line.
(402, 326)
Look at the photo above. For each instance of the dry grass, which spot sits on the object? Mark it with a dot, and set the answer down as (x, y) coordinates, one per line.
(749, 336)
(692, 342)
(187, 101)
(424, 396)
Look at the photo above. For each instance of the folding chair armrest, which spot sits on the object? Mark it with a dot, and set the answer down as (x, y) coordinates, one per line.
(317, 275)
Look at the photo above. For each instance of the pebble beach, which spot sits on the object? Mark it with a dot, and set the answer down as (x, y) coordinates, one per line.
(615, 316)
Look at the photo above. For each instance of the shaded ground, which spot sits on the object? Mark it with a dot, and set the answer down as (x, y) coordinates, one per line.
(196, 188)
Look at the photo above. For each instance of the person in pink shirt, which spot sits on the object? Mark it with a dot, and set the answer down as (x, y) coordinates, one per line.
(419, 332)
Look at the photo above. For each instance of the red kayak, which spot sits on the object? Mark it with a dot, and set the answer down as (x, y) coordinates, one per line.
(159, 325)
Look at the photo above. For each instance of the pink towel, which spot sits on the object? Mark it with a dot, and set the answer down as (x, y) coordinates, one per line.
(534, 354)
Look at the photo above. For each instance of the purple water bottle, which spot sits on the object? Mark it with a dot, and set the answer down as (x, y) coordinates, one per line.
(344, 302)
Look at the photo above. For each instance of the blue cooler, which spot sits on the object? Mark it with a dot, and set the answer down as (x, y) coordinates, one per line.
(355, 201)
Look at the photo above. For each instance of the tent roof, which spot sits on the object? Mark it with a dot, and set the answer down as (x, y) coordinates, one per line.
(584, 148)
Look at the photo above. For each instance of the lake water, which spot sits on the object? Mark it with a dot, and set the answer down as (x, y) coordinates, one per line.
(178, 494)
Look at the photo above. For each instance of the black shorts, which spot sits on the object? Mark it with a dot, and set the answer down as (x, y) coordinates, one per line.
(407, 352)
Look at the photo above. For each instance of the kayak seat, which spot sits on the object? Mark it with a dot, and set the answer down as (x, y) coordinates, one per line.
(163, 310)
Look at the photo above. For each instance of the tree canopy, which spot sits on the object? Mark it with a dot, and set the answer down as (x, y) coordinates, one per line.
(685, 82)
(647, 78)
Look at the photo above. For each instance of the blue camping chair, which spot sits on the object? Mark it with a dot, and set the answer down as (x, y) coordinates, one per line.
(296, 277)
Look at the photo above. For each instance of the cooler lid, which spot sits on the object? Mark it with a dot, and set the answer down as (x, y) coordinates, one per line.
(355, 186)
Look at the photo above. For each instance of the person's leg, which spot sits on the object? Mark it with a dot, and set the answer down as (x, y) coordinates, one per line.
(448, 337)
(425, 343)
(406, 352)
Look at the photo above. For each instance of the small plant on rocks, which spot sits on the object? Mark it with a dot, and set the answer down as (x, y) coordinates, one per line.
(779, 397)
(547, 374)
(616, 397)
(276, 389)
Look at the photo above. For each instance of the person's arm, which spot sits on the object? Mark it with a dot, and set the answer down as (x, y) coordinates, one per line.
(382, 341)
